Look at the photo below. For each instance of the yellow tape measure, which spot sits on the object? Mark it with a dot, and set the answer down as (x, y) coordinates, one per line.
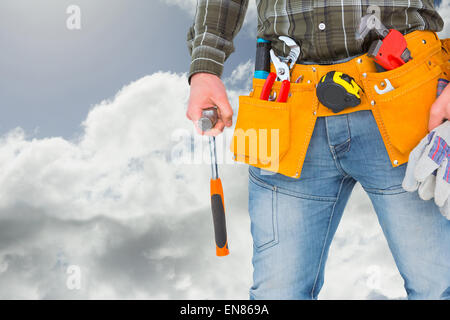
(338, 91)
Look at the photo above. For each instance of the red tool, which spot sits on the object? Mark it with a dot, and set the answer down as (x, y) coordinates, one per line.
(268, 84)
(392, 50)
(267, 88)
(283, 73)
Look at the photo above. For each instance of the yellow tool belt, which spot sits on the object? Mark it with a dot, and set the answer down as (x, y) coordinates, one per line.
(275, 136)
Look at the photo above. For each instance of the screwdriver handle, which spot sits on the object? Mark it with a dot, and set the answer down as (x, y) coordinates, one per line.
(262, 60)
(218, 213)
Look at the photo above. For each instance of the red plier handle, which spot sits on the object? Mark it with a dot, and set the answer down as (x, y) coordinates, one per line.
(284, 91)
(268, 85)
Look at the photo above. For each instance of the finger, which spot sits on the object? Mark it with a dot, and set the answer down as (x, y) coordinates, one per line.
(194, 113)
(442, 183)
(410, 183)
(218, 129)
(427, 188)
(437, 115)
(225, 111)
(195, 108)
(435, 122)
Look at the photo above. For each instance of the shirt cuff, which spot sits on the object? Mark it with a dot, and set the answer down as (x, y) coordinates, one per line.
(206, 59)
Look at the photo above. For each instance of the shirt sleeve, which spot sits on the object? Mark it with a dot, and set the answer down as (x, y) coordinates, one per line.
(210, 38)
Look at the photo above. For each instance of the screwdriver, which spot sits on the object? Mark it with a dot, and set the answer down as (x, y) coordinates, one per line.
(262, 60)
(207, 122)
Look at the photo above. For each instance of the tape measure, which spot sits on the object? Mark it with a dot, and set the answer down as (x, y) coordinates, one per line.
(338, 91)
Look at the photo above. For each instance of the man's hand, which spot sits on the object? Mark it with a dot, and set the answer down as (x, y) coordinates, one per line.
(440, 110)
(207, 90)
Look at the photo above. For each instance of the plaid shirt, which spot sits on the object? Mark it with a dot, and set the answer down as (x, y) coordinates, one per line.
(325, 29)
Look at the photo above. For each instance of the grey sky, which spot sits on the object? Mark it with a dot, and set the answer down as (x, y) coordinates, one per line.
(52, 76)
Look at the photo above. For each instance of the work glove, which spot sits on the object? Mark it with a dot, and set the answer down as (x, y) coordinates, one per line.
(428, 168)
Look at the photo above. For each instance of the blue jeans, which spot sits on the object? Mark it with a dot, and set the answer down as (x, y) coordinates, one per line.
(293, 221)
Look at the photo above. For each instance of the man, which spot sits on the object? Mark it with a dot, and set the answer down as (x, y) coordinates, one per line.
(295, 212)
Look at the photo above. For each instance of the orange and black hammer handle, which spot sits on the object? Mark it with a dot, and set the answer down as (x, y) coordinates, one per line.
(207, 122)
(218, 213)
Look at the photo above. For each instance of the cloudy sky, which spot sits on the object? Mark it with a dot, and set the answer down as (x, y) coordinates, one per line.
(101, 172)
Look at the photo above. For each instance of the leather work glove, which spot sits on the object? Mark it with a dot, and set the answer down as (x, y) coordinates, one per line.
(428, 168)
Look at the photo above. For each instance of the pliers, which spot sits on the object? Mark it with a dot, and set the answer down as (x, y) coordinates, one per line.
(283, 68)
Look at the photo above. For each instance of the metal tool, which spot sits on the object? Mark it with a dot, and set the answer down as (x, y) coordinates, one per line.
(206, 123)
(392, 50)
(388, 87)
(294, 51)
(371, 22)
(283, 66)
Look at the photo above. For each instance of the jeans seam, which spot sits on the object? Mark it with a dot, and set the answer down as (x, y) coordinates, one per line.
(260, 183)
(346, 149)
(326, 236)
(349, 134)
(385, 192)
(348, 141)
(274, 241)
(304, 196)
(333, 153)
(287, 192)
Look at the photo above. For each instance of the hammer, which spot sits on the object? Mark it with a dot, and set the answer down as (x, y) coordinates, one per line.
(206, 123)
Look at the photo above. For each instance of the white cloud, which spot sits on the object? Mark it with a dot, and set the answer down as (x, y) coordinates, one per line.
(242, 75)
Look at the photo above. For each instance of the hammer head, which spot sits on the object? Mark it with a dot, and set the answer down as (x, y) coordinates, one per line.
(208, 119)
